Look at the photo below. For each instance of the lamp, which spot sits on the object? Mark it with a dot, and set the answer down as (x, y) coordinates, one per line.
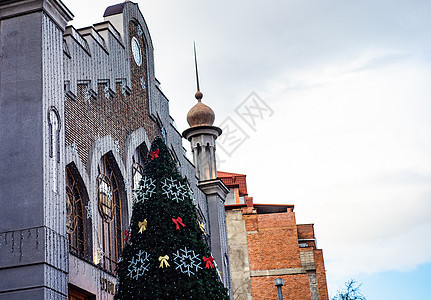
(279, 284)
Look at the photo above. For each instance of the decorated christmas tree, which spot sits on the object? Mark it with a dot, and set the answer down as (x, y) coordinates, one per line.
(165, 255)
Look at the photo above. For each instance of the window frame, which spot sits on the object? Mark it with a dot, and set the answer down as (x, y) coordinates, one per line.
(111, 228)
(77, 237)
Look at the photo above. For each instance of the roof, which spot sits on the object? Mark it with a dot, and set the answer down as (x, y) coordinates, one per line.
(272, 208)
(262, 209)
(114, 9)
(227, 174)
(234, 180)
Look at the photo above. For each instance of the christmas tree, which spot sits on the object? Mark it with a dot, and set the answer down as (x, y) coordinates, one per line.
(165, 255)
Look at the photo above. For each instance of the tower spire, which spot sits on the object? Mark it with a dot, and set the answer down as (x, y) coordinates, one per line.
(198, 94)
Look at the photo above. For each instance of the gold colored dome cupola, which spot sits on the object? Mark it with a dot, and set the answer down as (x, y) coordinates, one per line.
(200, 114)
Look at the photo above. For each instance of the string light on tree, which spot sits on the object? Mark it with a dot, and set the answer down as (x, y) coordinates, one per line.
(163, 217)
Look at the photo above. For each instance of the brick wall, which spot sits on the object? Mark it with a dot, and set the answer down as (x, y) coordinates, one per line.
(295, 287)
(272, 241)
(321, 274)
(118, 115)
(274, 252)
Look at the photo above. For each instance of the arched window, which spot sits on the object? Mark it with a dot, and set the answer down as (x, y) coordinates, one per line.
(138, 159)
(109, 204)
(54, 144)
(75, 213)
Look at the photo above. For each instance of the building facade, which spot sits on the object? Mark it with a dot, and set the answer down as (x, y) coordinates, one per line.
(265, 243)
(79, 110)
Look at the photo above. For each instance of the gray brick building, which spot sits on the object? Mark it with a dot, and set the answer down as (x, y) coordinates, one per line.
(79, 109)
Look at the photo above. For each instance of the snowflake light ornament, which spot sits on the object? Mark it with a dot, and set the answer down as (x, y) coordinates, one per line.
(175, 190)
(138, 265)
(187, 261)
(146, 190)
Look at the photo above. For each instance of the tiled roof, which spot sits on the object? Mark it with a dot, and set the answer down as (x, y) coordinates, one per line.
(234, 180)
(228, 174)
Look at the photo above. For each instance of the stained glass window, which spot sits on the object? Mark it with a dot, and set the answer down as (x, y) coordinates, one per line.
(75, 214)
(109, 204)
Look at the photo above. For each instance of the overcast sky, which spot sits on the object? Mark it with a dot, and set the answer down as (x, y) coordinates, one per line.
(328, 108)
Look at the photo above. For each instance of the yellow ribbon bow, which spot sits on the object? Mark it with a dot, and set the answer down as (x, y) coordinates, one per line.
(142, 226)
(202, 227)
(164, 261)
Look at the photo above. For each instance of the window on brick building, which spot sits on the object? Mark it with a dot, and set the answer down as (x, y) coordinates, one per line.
(109, 194)
(75, 208)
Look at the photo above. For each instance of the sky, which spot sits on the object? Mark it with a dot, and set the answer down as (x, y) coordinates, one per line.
(325, 105)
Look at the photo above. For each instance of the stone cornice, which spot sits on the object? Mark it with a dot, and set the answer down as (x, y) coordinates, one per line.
(214, 186)
(53, 8)
(199, 130)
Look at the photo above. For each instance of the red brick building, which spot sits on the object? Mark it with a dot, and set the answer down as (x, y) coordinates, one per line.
(265, 243)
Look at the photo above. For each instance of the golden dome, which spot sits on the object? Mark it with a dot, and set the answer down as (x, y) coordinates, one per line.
(200, 114)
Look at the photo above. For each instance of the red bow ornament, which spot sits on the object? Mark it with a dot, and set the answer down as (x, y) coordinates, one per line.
(178, 221)
(154, 154)
(127, 236)
(209, 261)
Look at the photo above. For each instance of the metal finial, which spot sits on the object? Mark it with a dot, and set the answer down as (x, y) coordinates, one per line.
(198, 94)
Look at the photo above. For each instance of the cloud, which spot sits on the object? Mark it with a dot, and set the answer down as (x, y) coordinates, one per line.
(348, 81)
(350, 148)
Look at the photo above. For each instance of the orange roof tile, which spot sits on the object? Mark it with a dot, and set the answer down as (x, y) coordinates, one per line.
(234, 180)
(228, 174)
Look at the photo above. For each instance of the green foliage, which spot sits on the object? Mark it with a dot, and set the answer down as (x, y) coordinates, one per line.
(350, 292)
(162, 238)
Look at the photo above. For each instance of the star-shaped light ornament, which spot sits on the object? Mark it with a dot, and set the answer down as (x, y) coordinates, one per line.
(140, 31)
(175, 190)
(187, 261)
(138, 265)
(146, 190)
(89, 209)
(106, 91)
(190, 191)
(100, 254)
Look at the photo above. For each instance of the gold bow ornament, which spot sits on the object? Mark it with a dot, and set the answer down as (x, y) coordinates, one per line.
(164, 261)
(142, 226)
(202, 227)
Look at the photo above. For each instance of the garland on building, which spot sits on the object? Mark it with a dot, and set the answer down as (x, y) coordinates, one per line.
(165, 255)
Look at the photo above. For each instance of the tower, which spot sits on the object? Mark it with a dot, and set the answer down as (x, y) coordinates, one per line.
(32, 179)
(202, 136)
